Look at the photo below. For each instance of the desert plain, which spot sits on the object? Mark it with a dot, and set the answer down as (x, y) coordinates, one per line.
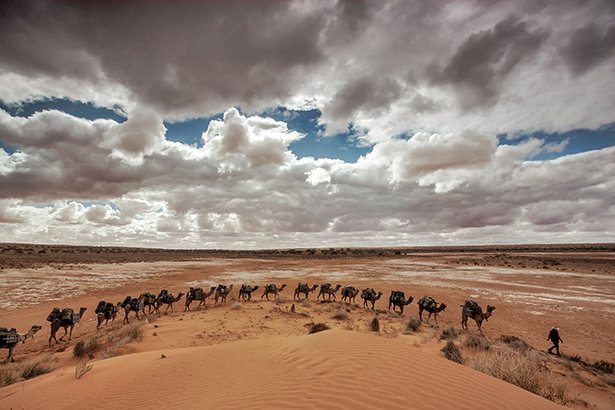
(259, 354)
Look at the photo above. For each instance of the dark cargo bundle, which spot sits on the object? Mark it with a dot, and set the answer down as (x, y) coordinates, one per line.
(8, 336)
(100, 307)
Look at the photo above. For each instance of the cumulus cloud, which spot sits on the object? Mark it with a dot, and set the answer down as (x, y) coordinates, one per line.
(428, 70)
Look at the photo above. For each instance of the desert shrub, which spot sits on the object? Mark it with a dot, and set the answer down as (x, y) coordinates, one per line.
(26, 369)
(452, 352)
(340, 315)
(604, 366)
(88, 348)
(524, 370)
(476, 341)
(375, 325)
(515, 342)
(123, 336)
(448, 334)
(82, 369)
(318, 327)
(413, 325)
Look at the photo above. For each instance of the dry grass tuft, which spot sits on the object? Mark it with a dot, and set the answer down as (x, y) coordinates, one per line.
(318, 327)
(525, 370)
(82, 369)
(448, 334)
(340, 315)
(515, 343)
(26, 369)
(413, 326)
(236, 306)
(452, 352)
(476, 341)
(88, 348)
(125, 335)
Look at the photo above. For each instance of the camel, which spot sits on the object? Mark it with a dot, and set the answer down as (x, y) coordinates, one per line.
(64, 318)
(369, 295)
(222, 291)
(471, 309)
(430, 305)
(303, 287)
(398, 299)
(327, 289)
(132, 305)
(106, 311)
(198, 294)
(272, 288)
(166, 298)
(12, 338)
(245, 292)
(149, 300)
(349, 293)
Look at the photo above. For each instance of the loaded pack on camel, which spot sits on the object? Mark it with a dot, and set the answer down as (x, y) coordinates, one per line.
(106, 308)
(195, 293)
(471, 308)
(426, 302)
(165, 296)
(8, 336)
(64, 315)
(100, 308)
(126, 301)
(135, 305)
(397, 295)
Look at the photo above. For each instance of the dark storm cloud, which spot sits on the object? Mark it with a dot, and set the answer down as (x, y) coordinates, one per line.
(485, 58)
(587, 47)
(363, 94)
(234, 51)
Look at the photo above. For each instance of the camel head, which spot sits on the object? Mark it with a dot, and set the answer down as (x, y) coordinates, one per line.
(82, 311)
(379, 295)
(337, 288)
(441, 307)
(282, 287)
(31, 332)
(254, 288)
(180, 294)
(313, 288)
(409, 300)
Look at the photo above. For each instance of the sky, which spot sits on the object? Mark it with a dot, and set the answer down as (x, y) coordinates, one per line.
(294, 124)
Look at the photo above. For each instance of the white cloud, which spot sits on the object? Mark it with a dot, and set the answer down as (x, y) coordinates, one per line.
(489, 69)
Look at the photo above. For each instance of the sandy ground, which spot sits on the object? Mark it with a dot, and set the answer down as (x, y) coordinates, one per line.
(258, 354)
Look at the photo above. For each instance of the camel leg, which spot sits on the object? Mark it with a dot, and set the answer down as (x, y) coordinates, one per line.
(70, 335)
(10, 356)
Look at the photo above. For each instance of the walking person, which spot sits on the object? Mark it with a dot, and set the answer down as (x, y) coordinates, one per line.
(555, 339)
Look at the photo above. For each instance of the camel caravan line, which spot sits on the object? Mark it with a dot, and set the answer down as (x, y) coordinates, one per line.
(107, 311)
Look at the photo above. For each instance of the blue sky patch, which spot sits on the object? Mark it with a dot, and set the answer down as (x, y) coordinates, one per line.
(79, 109)
(581, 140)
